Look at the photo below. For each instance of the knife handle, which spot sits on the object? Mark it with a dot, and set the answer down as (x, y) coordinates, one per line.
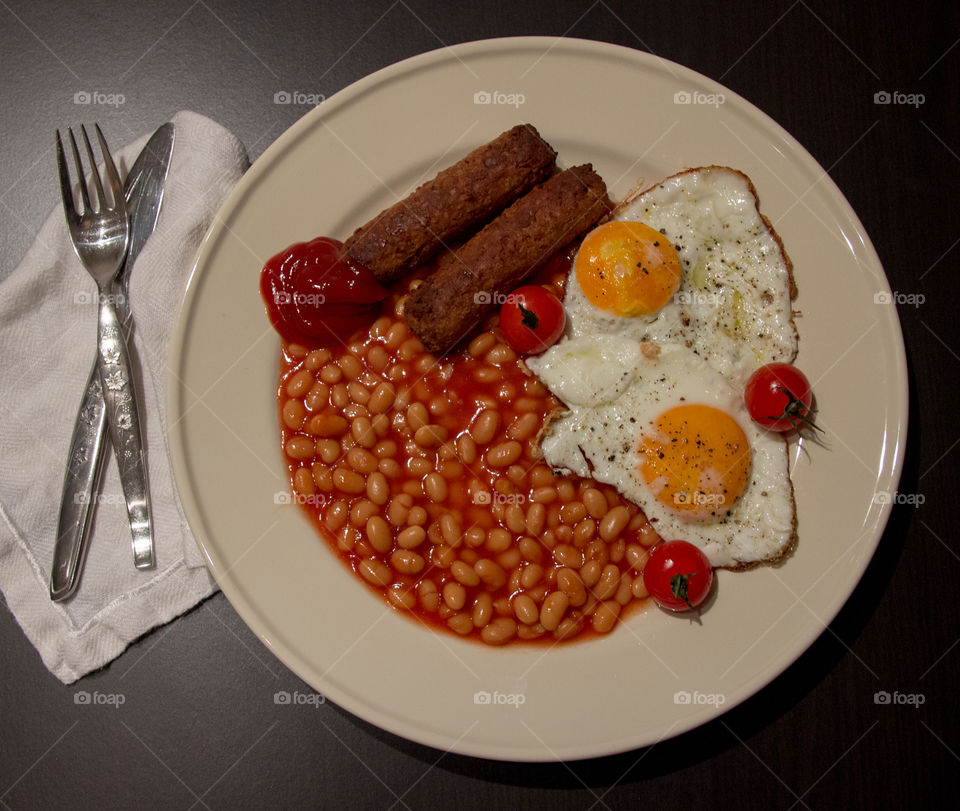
(123, 421)
(81, 483)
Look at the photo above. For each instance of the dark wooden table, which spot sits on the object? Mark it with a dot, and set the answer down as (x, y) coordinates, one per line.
(199, 726)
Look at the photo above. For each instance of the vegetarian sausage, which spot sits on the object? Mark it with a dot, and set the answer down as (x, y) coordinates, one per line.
(456, 201)
(470, 281)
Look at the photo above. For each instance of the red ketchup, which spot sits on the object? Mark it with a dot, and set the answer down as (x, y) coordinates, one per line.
(317, 296)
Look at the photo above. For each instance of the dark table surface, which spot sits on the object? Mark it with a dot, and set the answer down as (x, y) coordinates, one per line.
(199, 727)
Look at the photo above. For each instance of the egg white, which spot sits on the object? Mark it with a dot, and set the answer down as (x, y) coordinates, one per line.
(599, 437)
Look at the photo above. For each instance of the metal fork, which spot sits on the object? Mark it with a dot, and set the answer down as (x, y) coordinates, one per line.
(100, 238)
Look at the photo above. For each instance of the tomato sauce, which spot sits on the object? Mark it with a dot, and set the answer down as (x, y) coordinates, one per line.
(423, 475)
(316, 295)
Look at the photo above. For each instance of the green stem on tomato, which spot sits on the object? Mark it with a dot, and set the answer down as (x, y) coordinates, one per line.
(795, 408)
(679, 587)
(528, 317)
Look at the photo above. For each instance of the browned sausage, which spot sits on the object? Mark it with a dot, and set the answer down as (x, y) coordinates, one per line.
(456, 201)
(469, 282)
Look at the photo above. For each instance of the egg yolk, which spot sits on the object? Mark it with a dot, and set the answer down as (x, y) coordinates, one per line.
(696, 460)
(627, 269)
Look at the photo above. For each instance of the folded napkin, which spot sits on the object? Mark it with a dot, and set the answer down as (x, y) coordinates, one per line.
(48, 325)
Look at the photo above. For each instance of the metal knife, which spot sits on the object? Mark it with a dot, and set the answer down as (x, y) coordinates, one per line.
(143, 189)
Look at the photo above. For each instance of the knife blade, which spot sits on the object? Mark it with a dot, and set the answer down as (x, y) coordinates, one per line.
(143, 190)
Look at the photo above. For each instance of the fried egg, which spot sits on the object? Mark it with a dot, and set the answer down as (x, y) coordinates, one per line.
(671, 305)
(689, 261)
(656, 422)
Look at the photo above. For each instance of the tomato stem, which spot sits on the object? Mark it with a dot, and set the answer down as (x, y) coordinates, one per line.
(528, 317)
(679, 587)
(795, 409)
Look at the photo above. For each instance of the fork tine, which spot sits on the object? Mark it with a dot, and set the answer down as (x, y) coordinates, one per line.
(115, 186)
(79, 165)
(93, 170)
(66, 188)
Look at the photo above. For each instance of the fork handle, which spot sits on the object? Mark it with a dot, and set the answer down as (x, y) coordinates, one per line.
(80, 486)
(123, 421)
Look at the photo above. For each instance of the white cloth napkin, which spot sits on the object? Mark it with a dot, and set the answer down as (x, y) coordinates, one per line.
(48, 322)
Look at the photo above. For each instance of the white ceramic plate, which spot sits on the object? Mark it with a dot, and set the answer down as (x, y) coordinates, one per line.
(635, 117)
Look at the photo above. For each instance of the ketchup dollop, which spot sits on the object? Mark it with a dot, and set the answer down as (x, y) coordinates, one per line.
(316, 295)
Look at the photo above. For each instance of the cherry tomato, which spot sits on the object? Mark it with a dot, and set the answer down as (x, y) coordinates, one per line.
(678, 575)
(532, 319)
(778, 397)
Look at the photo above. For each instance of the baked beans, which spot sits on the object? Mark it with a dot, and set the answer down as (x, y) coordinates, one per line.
(411, 537)
(303, 482)
(479, 345)
(378, 489)
(501, 630)
(482, 609)
(485, 426)
(378, 531)
(553, 609)
(300, 447)
(406, 561)
(361, 460)
(524, 426)
(434, 491)
(506, 453)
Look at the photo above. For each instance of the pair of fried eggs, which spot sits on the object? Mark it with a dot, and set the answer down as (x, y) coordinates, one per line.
(670, 306)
